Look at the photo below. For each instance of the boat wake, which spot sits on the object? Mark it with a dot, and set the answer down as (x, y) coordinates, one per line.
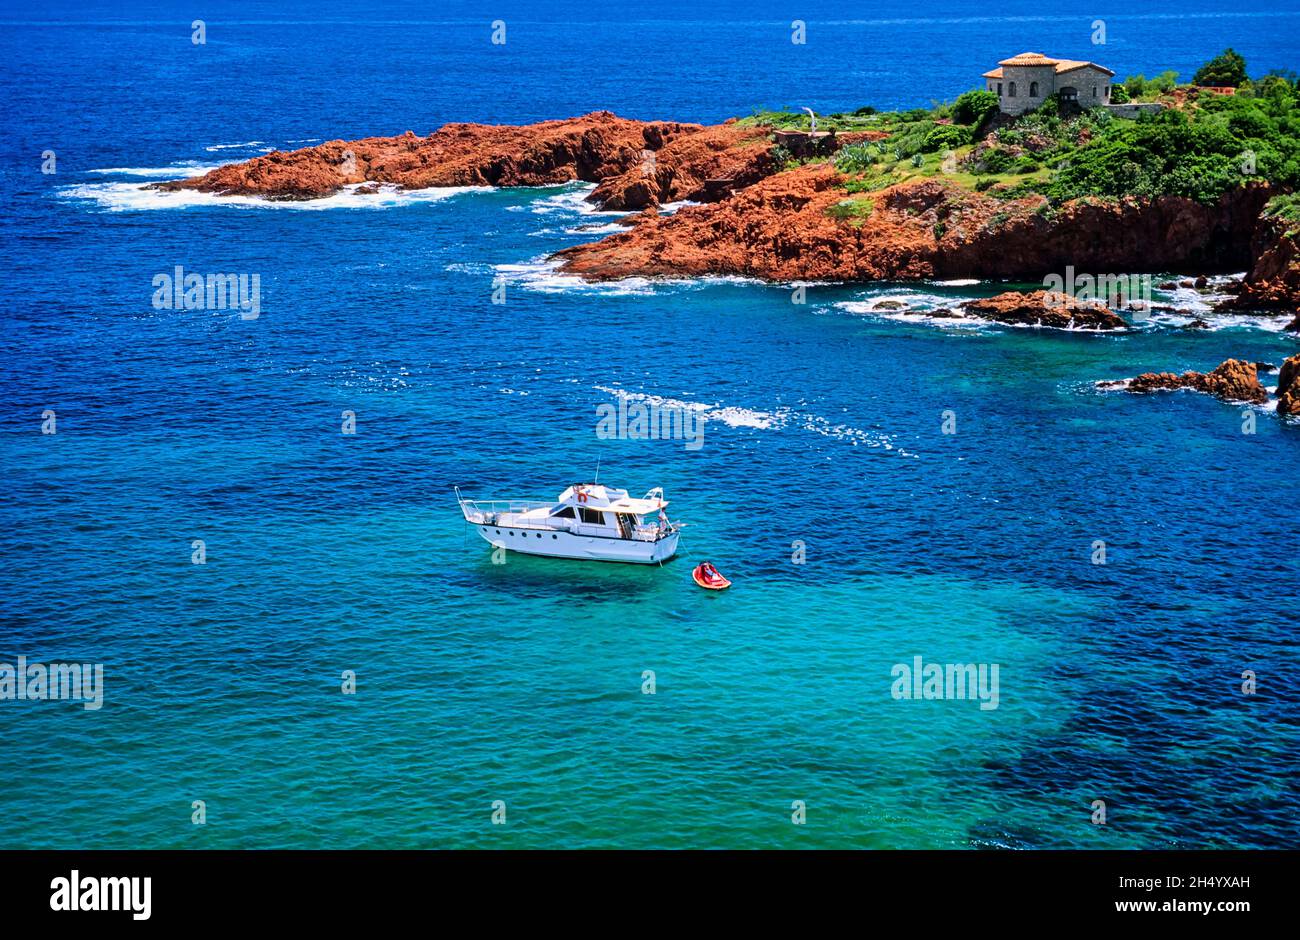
(779, 419)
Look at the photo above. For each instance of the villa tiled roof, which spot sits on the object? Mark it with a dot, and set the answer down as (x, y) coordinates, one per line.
(1069, 65)
(1029, 58)
(1038, 59)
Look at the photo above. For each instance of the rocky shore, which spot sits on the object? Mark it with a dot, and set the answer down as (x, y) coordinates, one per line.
(791, 222)
(1234, 380)
(592, 148)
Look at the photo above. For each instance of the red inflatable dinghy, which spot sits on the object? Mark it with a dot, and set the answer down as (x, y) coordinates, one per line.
(707, 576)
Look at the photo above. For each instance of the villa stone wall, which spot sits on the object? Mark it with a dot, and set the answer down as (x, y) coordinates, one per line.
(1024, 78)
(1092, 84)
(1034, 83)
(1131, 111)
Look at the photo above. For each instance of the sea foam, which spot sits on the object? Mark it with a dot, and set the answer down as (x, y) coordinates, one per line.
(127, 197)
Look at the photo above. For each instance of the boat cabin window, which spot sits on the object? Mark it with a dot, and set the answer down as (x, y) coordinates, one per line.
(564, 512)
(592, 516)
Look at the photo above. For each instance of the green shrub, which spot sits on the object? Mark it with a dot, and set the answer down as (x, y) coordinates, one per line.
(855, 158)
(972, 107)
(1165, 82)
(996, 160)
(945, 137)
(1225, 70)
(851, 210)
(1118, 94)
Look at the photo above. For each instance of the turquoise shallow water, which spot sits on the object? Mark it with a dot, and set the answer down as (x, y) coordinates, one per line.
(523, 682)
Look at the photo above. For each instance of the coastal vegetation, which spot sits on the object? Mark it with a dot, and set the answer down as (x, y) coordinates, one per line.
(1200, 146)
(955, 190)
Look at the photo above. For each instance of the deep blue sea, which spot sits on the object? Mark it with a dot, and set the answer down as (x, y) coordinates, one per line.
(523, 682)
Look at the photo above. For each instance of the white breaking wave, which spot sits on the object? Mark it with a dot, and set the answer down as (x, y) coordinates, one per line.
(610, 228)
(572, 199)
(244, 145)
(1214, 322)
(128, 197)
(178, 171)
(918, 308)
(542, 275)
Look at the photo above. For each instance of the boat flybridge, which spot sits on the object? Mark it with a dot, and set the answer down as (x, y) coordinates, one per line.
(588, 521)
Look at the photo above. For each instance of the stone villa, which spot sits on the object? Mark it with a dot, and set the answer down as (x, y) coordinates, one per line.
(1023, 82)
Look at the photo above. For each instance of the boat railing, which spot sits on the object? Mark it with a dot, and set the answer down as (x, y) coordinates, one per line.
(486, 511)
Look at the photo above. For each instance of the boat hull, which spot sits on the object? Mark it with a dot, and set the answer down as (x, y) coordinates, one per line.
(561, 544)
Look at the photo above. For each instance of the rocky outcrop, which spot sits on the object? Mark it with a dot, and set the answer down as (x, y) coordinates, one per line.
(1273, 282)
(1288, 387)
(590, 148)
(702, 167)
(1046, 308)
(1235, 380)
(803, 224)
(806, 223)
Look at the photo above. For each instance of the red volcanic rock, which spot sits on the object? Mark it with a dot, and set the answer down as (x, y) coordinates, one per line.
(1234, 380)
(648, 214)
(1273, 282)
(1288, 387)
(802, 224)
(694, 166)
(1046, 308)
(588, 148)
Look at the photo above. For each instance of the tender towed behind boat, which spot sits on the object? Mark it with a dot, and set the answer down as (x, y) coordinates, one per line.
(588, 521)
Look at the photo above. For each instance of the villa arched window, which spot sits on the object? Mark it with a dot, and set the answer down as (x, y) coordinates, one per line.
(1011, 91)
(1033, 89)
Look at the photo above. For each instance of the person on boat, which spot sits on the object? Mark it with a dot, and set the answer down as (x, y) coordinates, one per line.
(710, 573)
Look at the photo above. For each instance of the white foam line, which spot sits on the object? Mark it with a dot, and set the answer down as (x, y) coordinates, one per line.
(175, 171)
(245, 144)
(127, 197)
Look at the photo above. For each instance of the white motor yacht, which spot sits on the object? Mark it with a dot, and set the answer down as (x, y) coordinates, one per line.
(588, 521)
